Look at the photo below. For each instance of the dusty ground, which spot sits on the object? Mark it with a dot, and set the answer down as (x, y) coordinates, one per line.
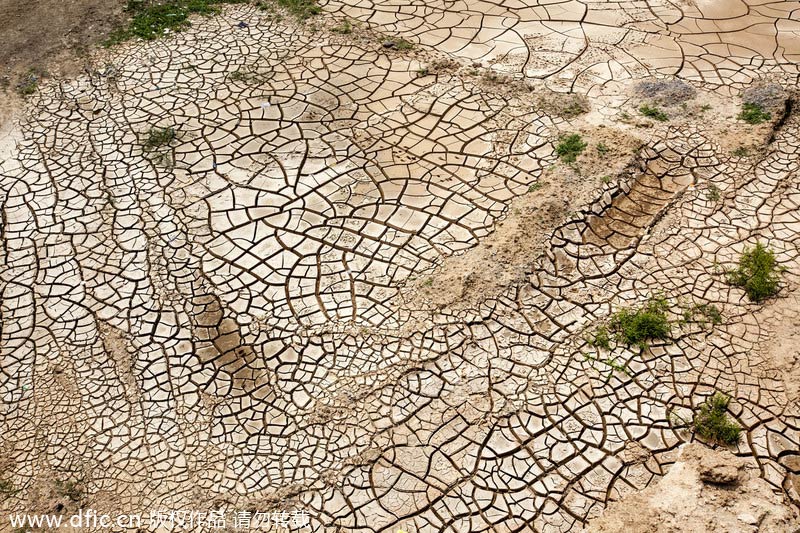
(50, 37)
(705, 491)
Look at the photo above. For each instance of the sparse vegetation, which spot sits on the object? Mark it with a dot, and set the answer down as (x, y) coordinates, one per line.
(654, 113)
(151, 19)
(570, 147)
(636, 326)
(741, 151)
(72, 490)
(568, 105)
(158, 137)
(345, 28)
(402, 44)
(301, 9)
(713, 193)
(238, 75)
(757, 273)
(29, 82)
(712, 424)
(709, 312)
(535, 186)
(753, 114)
(601, 338)
(7, 487)
(602, 149)
(703, 314)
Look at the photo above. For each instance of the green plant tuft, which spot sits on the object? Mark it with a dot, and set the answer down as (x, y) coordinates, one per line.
(753, 114)
(757, 273)
(654, 113)
(158, 137)
(151, 19)
(712, 424)
(570, 147)
(636, 326)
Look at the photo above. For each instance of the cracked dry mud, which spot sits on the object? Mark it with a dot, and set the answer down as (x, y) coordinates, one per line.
(358, 282)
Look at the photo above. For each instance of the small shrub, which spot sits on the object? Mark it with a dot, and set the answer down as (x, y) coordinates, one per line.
(712, 424)
(602, 149)
(757, 273)
(158, 137)
(654, 113)
(570, 147)
(753, 114)
(635, 327)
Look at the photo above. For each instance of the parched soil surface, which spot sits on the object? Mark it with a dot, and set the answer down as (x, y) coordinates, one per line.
(342, 266)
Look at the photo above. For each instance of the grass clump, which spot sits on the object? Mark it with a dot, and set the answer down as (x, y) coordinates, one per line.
(636, 326)
(151, 19)
(345, 28)
(654, 113)
(602, 148)
(753, 114)
(158, 137)
(570, 147)
(301, 9)
(402, 44)
(712, 424)
(757, 273)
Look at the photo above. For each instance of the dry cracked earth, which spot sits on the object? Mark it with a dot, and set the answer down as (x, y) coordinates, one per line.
(360, 282)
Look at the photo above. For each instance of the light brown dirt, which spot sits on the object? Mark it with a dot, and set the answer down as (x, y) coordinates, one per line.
(705, 491)
(505, 256)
